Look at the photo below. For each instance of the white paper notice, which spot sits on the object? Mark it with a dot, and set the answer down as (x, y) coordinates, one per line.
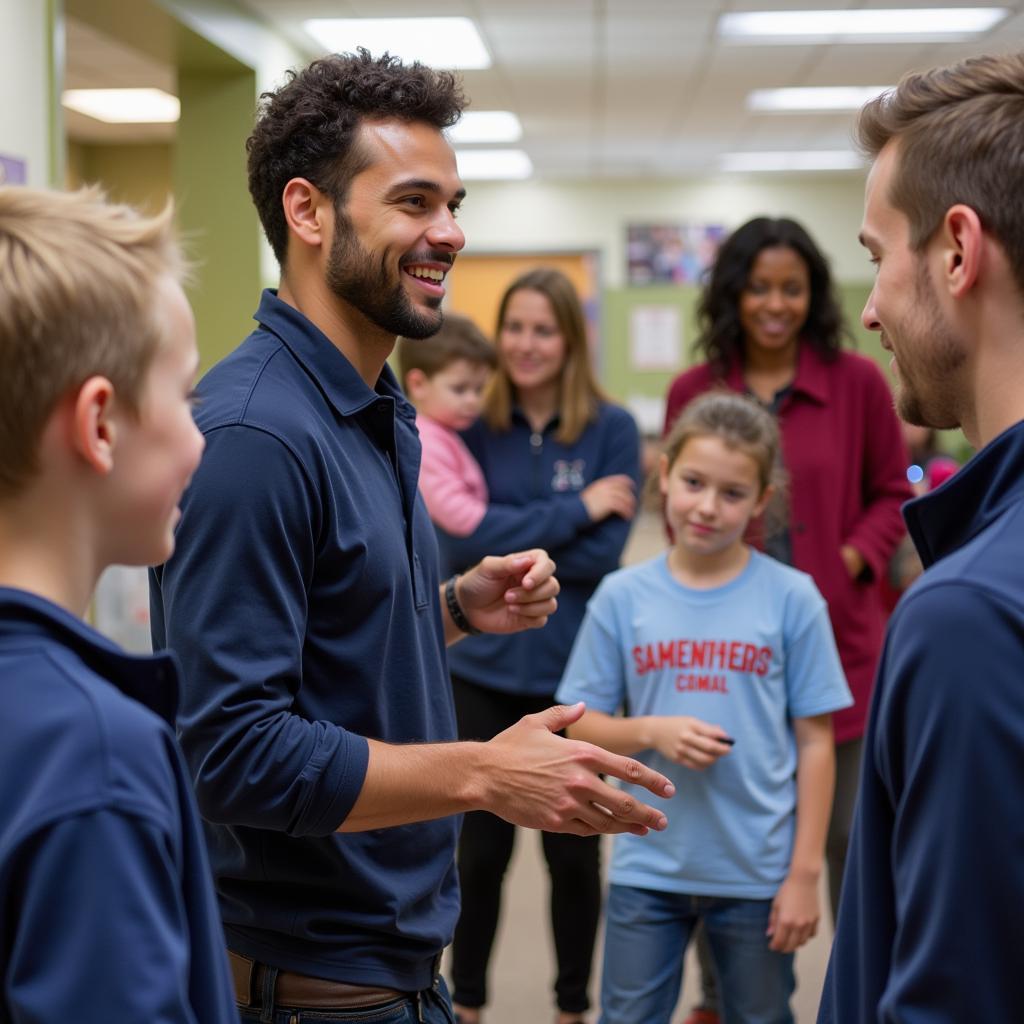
(655, 338)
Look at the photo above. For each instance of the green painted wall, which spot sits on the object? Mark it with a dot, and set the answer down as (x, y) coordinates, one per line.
(622, 380)
(137, 174)
(214, 210)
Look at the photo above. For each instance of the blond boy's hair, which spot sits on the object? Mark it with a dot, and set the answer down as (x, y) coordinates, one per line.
(77, 295)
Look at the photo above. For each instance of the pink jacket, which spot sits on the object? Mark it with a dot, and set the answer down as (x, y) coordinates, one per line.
(451, 481)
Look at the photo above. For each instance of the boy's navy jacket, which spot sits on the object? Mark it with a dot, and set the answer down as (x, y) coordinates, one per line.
(931, 924)
(107, 911)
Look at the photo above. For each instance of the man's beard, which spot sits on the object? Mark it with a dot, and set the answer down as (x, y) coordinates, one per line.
(352, 277)
(927, 390)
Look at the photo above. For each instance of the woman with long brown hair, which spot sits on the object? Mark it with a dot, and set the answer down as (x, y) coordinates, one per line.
(562, 466)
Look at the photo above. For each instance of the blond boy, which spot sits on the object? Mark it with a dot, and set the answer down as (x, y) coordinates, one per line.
(106, 908)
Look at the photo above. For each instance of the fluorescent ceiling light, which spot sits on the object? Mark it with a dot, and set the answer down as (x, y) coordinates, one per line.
(486, 126)
(480, 164)
(840, 97)
(438, 42)
(859, 26)
(799, 160)
(124, 106)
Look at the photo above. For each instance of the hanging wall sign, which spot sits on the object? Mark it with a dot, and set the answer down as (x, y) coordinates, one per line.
(12, 170)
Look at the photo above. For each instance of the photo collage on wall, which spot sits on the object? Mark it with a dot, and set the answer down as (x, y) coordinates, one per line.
(670, 253)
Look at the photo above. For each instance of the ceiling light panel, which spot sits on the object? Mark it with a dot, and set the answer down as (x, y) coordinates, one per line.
(794, 160)
(803, 100)
(486, 126)
(124, 106)
(437, 42)
(922, 24)
(493, 164)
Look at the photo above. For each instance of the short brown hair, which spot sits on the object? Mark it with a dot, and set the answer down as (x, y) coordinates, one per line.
(77, 277)
(458, 338)
(309, 126)
(960, 133)
(580, 394)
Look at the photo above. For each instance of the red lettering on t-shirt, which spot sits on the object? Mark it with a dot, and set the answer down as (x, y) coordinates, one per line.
(736, 655)
(667, 654)
(723, 655)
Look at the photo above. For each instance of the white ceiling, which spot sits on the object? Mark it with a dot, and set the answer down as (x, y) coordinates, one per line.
(634, 88)
(95, 61)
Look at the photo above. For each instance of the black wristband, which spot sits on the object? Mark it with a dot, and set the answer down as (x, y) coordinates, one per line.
(455, 609)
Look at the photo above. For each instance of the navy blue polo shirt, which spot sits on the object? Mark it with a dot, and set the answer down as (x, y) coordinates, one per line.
(302, 600)
(107, 912)
(930, 927)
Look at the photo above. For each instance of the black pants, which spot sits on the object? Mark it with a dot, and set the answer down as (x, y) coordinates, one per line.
(485, 848)
(848, 758)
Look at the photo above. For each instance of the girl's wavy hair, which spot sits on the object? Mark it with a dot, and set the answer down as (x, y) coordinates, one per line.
(744, 425)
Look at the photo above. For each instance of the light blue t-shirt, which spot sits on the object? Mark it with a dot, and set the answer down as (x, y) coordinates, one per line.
(749, 656)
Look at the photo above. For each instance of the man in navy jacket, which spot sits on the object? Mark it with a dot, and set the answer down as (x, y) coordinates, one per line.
(930, 928)
(304, 598)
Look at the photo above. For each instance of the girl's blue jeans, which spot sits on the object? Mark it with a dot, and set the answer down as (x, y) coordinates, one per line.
(646, 935)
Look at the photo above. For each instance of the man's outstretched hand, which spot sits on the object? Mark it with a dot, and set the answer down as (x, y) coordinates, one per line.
(545, 781)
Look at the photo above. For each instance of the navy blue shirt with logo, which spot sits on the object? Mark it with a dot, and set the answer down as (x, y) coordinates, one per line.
(107, 911)
(534, 482)
(303, 602)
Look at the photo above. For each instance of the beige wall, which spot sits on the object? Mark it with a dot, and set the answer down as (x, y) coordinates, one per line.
(516, 216)
(25, 85)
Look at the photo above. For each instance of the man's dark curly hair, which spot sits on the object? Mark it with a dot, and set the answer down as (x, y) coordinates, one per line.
(307, 127)
(721, 338)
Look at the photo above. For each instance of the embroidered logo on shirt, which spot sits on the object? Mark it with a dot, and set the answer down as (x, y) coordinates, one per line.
(568, 475)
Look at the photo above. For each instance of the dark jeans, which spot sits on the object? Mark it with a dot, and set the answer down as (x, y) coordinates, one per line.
(429, 1007)
(485, 848)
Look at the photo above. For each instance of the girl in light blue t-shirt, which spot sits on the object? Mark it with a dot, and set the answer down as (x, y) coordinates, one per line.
(724, 663)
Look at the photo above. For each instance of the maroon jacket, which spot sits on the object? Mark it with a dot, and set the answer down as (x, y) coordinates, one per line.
(846, 468)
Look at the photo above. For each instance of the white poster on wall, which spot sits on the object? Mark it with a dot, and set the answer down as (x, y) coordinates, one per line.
(655, 338)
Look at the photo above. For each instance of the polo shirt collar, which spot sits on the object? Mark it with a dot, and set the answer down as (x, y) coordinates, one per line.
(339, 380)
(811, 380)
(552, 424)
(971, 500)
(151, 679)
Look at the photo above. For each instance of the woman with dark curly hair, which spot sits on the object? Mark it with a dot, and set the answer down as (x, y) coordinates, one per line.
(771, 328)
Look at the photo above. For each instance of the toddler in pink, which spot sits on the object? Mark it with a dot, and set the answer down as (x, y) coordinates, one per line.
(444, 377)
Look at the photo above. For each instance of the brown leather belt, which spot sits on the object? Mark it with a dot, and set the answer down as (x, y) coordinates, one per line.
(303, 991)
